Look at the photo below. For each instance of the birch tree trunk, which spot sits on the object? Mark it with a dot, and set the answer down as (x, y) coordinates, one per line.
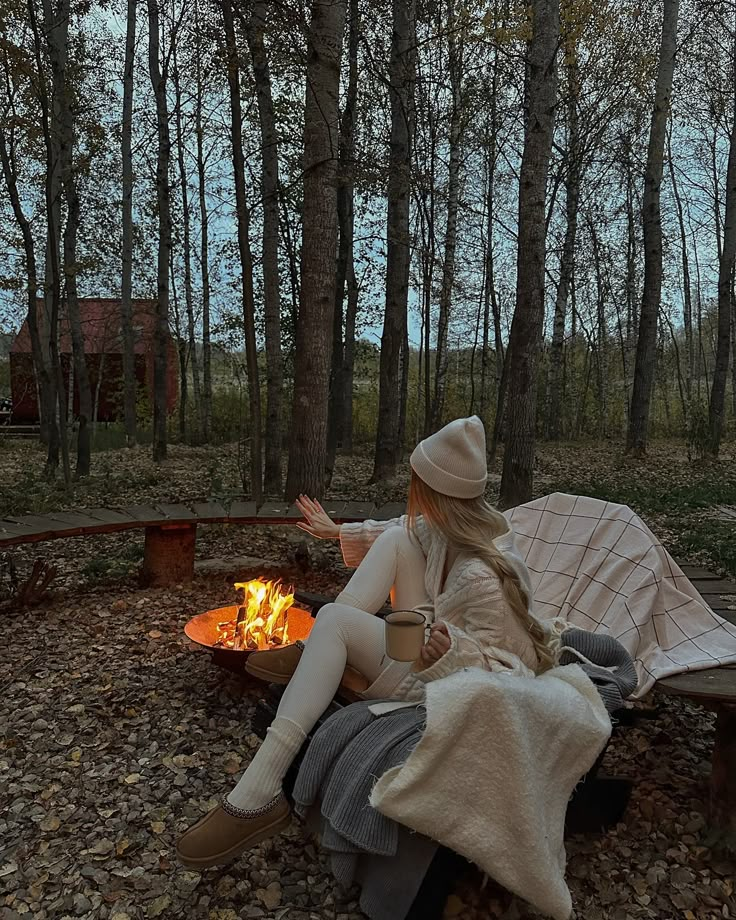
(345, 255)
(163, 196)
(204, 255)
(646, 347)
(526, 328)
(126, 287)
(686, 284)
(192, 359)
(455, 64)
(308, 436)
(256, 27)
(246, 258)
(717, 408)
(402, 76)
(567, 262)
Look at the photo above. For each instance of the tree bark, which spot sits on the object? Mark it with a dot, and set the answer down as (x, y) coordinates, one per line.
(126, 288)
(56, 27)
(246, 258)
(256, 28)
(204, 255)
(308, 443)
(455, 64)
(646, 347)
(567, 262)
(402, 76)
(55, 409)
(192, 359)
(526, 328)
(42, 371)
(345, 254)
(686, 284)
(163, 197)
(727, 258)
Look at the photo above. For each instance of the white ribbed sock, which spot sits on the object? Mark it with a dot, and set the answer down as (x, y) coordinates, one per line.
(262, 780)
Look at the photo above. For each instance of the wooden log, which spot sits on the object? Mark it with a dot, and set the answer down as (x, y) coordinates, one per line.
(168, 556)
(723, 778)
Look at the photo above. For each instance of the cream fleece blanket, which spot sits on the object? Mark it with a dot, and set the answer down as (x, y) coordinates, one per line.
(597, 565)
(494, 771)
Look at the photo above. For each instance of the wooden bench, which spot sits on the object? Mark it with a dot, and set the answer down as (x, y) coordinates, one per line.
(715, 688)
(171, 529)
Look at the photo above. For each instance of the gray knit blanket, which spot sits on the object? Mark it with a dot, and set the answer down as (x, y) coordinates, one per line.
(353, 748)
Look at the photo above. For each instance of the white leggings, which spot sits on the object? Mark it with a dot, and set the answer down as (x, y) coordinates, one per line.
(345, 633)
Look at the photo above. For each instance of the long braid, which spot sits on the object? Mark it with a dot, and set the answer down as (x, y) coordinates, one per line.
(470, 526)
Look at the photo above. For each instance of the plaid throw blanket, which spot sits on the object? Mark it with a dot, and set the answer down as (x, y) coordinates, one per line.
(598, 566)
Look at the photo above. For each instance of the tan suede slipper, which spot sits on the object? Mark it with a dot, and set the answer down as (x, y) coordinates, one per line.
(276, 665)
(227, 831)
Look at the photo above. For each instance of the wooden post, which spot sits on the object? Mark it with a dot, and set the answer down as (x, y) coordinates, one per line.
(723, 776)
(168, 556)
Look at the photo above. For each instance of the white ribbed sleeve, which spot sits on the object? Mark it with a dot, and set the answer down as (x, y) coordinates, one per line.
(357, 539)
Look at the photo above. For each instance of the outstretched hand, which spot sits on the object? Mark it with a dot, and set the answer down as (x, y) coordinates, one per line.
(317, 521)
(437, 645)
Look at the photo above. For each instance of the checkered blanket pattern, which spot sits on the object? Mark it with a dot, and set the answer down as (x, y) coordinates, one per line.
(597, 565)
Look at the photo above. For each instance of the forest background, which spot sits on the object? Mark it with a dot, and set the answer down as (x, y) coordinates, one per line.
(361, 220)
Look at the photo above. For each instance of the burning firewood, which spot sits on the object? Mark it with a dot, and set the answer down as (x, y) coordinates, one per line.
(261, 621)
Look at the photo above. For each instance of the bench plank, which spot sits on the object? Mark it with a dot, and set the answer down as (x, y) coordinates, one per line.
(717, 684)
(209, 510)
(390, 510)
(40, 523)
(111, 516)
(719, 586)
(77, 518)
(697, 573)
(273, 511)
(359, 511)
(177, 512)
(240, 510)
(145, 513)
(335, 509)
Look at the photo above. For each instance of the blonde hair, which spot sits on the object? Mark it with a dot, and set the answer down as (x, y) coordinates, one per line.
(470, 525)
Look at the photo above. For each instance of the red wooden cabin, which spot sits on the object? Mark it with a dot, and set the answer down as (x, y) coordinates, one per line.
(104, 351)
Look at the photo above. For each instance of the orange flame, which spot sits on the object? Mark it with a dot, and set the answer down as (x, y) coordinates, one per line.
(261, 622)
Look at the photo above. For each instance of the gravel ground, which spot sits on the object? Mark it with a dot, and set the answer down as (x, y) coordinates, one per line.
(116, 734)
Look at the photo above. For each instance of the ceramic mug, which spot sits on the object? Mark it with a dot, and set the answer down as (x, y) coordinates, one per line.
(405, 634)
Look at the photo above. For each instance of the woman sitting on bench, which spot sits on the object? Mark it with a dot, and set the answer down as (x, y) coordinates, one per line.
(453, 558)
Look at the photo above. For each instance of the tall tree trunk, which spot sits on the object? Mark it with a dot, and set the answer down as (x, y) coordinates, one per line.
(256, 27)
(40, 364)
(308, 443)
(126, 287)
(246, 258)
(632, 315)
(346, 225)
(204, 255)
(455, 60)
(717, 408)
(54, 398)
(686, 284)
(601, 349)
(351, 314)
(646, 346)
(526, 328)
(56, 27)
(163, 198)
(567, 262)
(402, 76)
(191, 338)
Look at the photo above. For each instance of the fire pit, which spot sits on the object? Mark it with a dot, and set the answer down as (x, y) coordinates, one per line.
(265, 618)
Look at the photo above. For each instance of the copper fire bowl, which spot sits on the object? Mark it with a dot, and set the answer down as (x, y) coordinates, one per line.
(202, 629)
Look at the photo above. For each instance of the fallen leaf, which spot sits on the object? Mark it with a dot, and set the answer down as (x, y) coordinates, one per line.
(132, 778)
(52, 823)
(155, 634)
(158, 827)
(158, 906)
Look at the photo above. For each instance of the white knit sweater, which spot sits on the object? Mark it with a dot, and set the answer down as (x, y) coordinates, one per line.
(483, 630)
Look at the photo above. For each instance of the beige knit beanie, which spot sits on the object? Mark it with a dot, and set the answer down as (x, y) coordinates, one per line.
(453, 460)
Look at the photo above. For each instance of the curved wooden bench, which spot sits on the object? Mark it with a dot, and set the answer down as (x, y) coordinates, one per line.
(171, 529)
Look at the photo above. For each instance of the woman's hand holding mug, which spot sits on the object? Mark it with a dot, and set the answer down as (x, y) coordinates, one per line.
(318, 522)
(437, 645)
